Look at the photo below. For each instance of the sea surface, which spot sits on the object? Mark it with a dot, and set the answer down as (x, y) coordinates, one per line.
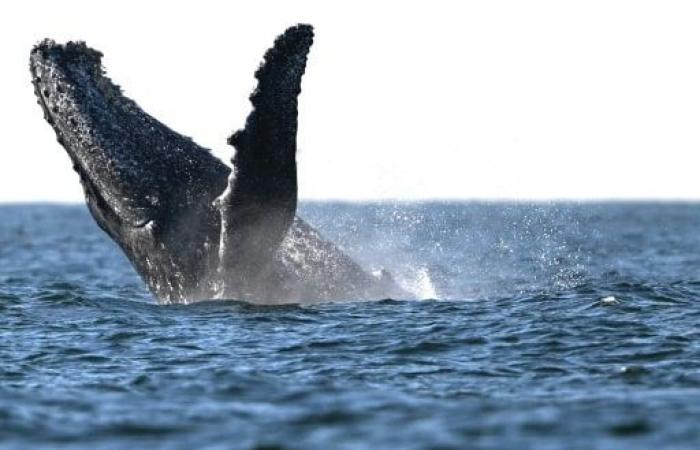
(531, 326)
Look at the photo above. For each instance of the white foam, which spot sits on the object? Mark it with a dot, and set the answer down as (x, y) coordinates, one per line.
(609, 300)
(420, 284)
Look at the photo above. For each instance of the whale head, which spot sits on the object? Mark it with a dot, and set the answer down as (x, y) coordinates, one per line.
(150, 188)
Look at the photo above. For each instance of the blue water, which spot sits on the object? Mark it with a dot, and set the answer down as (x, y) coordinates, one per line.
(550, 326)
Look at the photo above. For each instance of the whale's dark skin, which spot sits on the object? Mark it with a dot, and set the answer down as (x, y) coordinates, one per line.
(193, 228)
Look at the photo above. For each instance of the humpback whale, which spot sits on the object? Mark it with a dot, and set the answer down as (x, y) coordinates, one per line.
(193, 228)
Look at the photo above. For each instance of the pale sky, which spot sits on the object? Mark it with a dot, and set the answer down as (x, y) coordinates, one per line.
(474, 100)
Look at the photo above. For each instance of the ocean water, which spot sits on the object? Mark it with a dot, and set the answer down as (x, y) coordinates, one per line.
(533, 326)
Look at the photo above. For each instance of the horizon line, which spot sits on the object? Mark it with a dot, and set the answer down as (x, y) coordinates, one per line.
(388, 200)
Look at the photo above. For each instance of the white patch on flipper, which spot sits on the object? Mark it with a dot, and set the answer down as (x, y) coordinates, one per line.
(219, 203)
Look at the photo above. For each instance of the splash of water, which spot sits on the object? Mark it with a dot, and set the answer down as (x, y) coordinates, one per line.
(420, 284)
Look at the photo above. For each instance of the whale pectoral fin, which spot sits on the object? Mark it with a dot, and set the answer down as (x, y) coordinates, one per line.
(265, 158)
(260, 203)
